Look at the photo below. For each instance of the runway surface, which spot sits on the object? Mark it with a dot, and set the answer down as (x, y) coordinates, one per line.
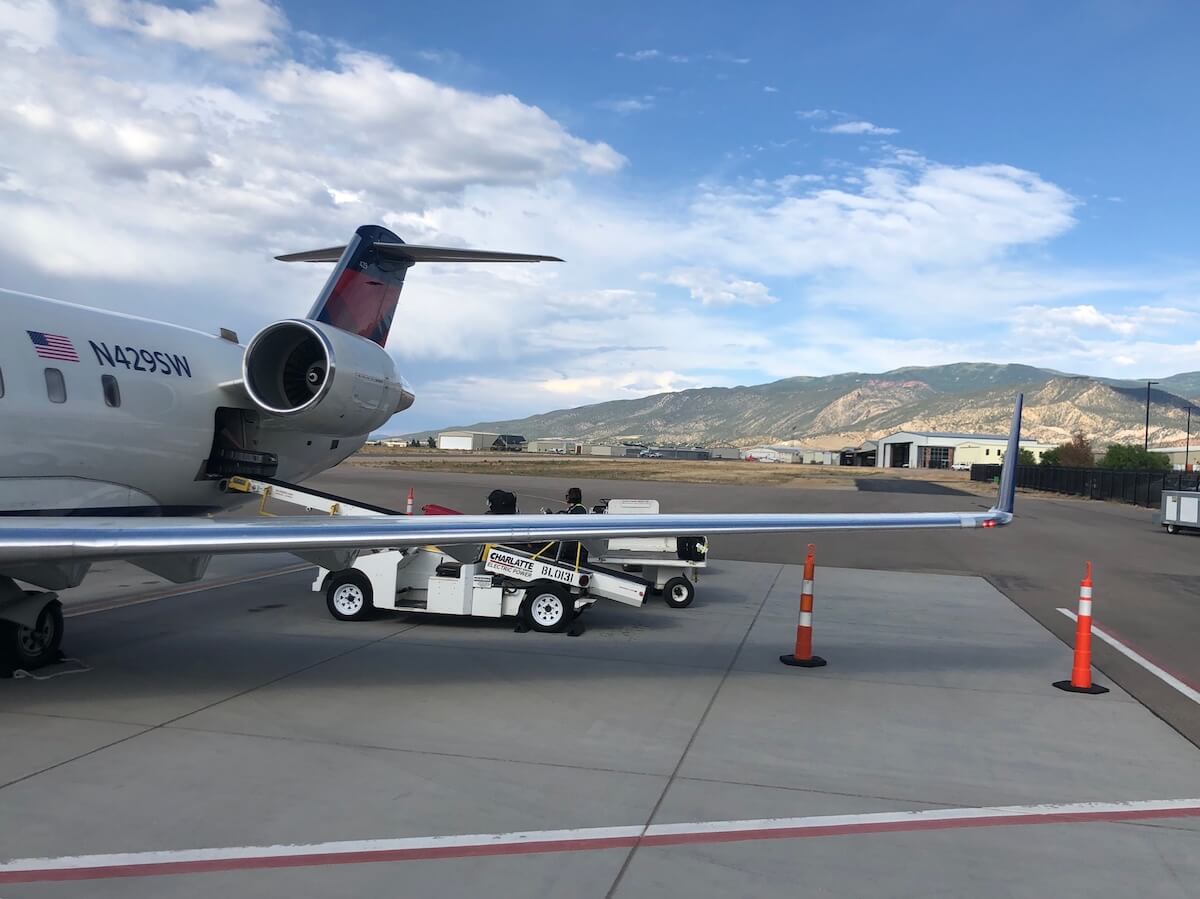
(238, 741)
(1147, 588)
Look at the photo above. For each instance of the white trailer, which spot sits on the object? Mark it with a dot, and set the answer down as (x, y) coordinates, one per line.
(670, 564)
(1180, 509)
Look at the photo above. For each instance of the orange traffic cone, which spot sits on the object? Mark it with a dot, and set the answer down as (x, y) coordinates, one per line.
(1081, 669)
(803, 656)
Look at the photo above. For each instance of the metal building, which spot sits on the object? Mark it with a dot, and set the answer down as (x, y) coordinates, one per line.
(942, 449)
(466, 440)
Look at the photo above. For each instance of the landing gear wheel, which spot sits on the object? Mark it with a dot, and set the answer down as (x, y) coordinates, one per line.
(32, 647)
(679, 592)
(349, 595)
(1171, 529)
(548, 609)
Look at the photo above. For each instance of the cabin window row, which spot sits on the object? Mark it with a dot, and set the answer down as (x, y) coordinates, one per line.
(56, 387)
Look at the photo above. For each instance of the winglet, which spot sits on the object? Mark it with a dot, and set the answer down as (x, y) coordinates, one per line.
(1008, 472)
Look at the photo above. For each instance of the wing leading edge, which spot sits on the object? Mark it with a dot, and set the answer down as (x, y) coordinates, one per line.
(26, 540)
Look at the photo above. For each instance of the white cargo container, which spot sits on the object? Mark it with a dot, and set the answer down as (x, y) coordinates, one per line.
(1180, 509)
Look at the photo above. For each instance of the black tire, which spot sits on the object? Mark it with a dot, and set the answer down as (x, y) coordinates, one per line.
(548, 608)
(1171, 529)
(679, 592)
(32, 647)
(348, 596)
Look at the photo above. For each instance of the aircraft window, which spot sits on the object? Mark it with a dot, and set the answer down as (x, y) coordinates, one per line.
(56, 387)
(112, 390)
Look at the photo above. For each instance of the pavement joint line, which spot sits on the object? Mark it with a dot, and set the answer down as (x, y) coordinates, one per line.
(170, 721)
(375, 747)
(101, 605)
(599, 769)
(353, 852)
(695, 732)
(935, 803)
(1161, 673)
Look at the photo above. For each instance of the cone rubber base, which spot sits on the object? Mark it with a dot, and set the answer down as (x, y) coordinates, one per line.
(814, 662)
(1094, 689)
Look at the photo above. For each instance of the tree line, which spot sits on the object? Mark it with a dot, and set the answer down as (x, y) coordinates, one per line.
(1078, 452)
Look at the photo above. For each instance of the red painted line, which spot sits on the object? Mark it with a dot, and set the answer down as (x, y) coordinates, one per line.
(153, 869)
(533, 847)
(837, 830)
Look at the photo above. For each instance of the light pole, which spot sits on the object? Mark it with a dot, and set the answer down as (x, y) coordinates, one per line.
(1147, 444)
(1187, 441)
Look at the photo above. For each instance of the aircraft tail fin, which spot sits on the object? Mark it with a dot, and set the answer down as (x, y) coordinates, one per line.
(1008, 471)
(364, 288)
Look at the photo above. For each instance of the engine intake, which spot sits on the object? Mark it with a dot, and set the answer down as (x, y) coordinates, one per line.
(323, 379)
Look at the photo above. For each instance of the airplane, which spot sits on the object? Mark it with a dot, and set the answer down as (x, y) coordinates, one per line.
(118, 435)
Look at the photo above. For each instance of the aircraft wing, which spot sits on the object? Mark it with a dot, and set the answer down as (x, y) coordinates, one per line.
(46, 539)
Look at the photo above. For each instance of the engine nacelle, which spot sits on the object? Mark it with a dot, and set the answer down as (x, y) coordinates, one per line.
(325, 380)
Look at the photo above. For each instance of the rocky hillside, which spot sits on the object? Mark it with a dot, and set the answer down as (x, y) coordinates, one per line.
(848, 408)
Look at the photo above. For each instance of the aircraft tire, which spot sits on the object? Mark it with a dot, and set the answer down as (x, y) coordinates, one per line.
(679, 592)
(32, 647)
(349, 597)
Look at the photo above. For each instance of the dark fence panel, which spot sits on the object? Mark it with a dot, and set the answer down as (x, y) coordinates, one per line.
(1140, 488)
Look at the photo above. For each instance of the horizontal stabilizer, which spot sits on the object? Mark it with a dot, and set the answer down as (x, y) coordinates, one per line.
(411, 253)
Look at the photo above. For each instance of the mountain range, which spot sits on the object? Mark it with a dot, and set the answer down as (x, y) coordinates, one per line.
(846, 409)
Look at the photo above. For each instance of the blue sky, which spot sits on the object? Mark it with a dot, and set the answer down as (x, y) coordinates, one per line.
(741, 194)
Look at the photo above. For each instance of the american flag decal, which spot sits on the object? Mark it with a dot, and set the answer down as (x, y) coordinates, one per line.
(53, 346)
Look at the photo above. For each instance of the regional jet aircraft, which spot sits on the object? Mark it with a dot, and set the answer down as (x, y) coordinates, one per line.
(118, 435)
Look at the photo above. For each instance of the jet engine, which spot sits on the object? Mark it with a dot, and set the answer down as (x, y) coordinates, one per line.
(325, 380)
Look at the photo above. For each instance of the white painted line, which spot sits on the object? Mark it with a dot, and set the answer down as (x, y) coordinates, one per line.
(1162, 674)
(356, 852)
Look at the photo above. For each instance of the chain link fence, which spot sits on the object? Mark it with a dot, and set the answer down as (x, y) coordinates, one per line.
(1140, 488)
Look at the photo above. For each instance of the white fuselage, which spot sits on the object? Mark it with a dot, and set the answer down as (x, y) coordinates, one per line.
(146, 453)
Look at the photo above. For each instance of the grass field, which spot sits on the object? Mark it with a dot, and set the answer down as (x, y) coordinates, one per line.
(831, 477)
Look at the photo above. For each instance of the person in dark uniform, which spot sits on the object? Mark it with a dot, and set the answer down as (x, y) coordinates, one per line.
(575, 504)
(571, 551)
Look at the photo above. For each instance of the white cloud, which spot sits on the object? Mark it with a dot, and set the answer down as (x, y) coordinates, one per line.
(768, 89)
(224, 26)
(27, 24)
(858, 128)
(174, 183)
(813, 113)
(647, 55)
(712, 288)
(626, 105)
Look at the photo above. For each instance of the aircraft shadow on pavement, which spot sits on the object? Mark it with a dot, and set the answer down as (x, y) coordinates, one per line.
(906, 485)
(163, 663)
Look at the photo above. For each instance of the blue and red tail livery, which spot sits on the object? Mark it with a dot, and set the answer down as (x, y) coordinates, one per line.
(361, 293)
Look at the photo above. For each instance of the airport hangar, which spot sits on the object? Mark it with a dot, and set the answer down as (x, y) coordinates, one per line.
(942, 449)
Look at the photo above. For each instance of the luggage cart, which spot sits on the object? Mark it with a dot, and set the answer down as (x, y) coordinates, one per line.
(671, 565)
(505, 582)
(1180, 510)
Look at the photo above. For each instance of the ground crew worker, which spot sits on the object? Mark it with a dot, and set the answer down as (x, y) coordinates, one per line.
(573, 552)
(575, 504)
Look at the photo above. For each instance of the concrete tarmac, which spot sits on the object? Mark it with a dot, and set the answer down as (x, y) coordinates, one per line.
(245, 717)
(1147, 583)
